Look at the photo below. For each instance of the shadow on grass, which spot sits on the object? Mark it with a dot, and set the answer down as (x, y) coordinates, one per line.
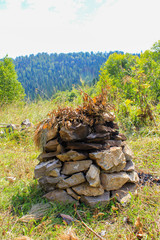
(33, 194)
(26, 197)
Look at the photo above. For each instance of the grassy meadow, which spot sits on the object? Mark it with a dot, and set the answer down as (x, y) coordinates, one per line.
(139, 219)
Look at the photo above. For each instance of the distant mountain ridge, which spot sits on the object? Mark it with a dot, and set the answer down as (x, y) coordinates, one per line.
(45, 73)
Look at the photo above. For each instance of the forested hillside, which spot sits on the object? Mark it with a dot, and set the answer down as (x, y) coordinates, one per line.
(44, 73)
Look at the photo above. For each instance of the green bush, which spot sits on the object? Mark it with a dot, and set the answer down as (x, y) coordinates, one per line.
(10, 89)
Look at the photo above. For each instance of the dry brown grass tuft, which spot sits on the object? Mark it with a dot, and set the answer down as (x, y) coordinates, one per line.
(69, 234)
(37, 212)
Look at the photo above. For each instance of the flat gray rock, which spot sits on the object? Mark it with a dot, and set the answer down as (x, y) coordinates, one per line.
(46, 156)
(84, 146)
(87, 190)
(40, 169)
(133, 177)
(51, 146)
(107, 159)
(99, 128)
(118, 168)
(74, 133)
(129, 166)
(52, 133)
(53, 164)
(112, 143)
(114, 181)
(123, 195)
(44, 168)
(120, 136)
(74, 180)
(71, 155)
(77, 166)
(54, 173)
(92, 201)
(93, 177)
(73, 194)
(98, 137)
(51, 180)
(128, 153)
(59, 196)
(48, 187)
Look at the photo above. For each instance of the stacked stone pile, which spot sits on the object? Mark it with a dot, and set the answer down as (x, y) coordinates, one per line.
(85, 162)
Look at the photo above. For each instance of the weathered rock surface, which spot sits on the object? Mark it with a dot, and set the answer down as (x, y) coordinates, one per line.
(54, 173)
(112, 143)
(52, 165)
(77, 166)
(103, 129)
(128, 153)
(59, 196)
(129, 166)
(92, 201)
(60, 149)
(44, 168)
(123, 194)
(40, 169)
(114, 181)
(118, 168)
(120, 136)
(98, 137)
(83, 146)
(52, 133)
(87, 190)
(108, 159)
(74, 180)
(26, 123)
(117, 154)
(93, 177)
(133, 177)
(74, 133)
(46, 156)
(51, 180)
(71, 155)
(48, 187)
(51, 146)
(73, 194)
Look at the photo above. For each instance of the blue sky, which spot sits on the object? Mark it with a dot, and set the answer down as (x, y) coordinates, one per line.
(32, 26)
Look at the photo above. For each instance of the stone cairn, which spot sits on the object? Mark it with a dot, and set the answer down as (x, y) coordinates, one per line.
(84, 157)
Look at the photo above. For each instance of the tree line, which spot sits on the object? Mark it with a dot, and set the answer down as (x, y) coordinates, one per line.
(45, 74)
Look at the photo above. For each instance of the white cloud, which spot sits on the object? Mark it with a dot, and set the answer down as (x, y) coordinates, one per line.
(99, 1)
(38, 14)
(127, 25)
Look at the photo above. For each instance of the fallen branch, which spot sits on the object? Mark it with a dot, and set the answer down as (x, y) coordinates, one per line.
(90, 229)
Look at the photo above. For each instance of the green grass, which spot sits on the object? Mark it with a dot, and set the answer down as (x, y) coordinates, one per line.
(18, 159)
(147, 154)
